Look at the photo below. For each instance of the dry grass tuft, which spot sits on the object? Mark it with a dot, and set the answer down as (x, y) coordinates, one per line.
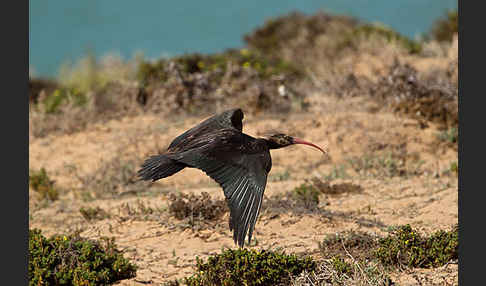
(198, 211)
(338, 271)
(140, 211)
(335, 189)
(93, 214)
(357, 243)
(113, 178)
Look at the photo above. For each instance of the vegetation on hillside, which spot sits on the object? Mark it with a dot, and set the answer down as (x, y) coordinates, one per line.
(284, 59)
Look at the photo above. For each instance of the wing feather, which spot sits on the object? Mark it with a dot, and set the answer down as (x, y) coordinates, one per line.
(246, 217)
(255, 214)
(229, 119)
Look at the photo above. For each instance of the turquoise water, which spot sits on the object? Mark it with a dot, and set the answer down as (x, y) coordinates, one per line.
(62, 30)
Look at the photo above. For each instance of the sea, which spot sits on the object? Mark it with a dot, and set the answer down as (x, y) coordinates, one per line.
(63, 31)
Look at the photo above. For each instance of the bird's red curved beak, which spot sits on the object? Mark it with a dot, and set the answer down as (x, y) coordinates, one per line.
(300, 141)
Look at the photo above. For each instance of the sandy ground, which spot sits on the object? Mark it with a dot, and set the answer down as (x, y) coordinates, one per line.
(425, 197)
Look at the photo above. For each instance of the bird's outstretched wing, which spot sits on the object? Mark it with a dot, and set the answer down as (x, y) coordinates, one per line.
(240, 165)
(229, 119)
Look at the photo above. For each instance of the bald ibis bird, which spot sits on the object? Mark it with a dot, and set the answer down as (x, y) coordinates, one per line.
(238, 162)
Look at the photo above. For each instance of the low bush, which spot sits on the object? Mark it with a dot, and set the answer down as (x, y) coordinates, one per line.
(341, 266)
(52, 102)
(72, 260)
(405, 246)
(249, 267)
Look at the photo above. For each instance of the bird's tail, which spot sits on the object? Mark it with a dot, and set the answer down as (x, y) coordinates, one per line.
(158, 167)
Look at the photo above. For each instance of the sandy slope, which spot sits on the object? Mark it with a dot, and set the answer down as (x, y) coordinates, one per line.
(347, 127)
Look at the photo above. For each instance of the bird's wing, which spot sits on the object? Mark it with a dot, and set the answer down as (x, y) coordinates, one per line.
(241, 172)
(228, 119)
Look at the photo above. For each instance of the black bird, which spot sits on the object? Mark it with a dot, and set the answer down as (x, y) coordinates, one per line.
(238, 162)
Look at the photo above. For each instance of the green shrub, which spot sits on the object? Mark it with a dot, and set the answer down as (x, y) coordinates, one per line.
(406, 247)
(307, 194)
(41, 183)
(249, 267)
(71, 260)
(445, 27)
(60, 96)
(53, 101)
(341, 266)
(454, 168)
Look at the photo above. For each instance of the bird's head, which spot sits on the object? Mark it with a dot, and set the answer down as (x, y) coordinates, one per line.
(280, 140)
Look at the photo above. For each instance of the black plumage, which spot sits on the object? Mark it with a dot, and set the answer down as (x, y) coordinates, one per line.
(238, 162)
